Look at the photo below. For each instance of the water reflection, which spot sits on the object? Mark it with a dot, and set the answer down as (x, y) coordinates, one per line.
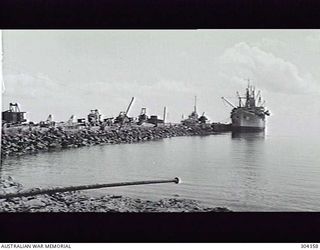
(248, 152)
(242, 171)
(248, 136)
(249, 147)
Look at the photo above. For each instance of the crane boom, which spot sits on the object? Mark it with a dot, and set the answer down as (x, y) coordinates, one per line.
(128, 109)
(49, 119)
(231, 104)
(258, 95)
(70, 119)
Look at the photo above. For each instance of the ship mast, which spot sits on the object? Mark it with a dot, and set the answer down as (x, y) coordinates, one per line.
(247, 97)
(240, 102)
(250, 96)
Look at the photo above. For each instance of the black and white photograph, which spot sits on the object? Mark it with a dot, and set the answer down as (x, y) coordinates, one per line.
(158, 121)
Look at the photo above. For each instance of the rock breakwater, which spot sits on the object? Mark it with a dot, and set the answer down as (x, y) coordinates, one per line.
(36, 140)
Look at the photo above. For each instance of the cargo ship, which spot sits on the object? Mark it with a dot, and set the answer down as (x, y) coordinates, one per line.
(249, 115)
(194, 118)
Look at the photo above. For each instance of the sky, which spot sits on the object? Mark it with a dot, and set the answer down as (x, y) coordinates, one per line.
(70, 72)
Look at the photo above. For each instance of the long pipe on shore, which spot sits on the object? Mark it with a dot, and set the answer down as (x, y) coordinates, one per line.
(83, 187)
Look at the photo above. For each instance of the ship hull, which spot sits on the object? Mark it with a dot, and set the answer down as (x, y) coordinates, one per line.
(246, 121)
(246, 129)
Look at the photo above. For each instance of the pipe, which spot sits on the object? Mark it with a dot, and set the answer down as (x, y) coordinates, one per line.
(84, 187)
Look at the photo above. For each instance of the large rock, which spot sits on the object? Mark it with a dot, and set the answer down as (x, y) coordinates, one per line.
(46, 139)
(34, 203)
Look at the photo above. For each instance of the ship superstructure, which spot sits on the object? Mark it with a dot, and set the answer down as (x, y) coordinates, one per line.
(194, 118)
(250, 113)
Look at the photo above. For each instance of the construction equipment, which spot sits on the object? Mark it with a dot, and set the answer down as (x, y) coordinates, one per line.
(70, 123)
(154, 120)
(94, 117)
(71, 120)
(203, 119)
(121, 118)
(143, 116)
(128, 109)
(13, 115)
(81, 121)
(47, 123)
(123, 115)
(108, 121)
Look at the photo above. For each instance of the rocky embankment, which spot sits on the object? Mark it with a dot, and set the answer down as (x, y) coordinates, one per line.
(79, 202)
(34, 140)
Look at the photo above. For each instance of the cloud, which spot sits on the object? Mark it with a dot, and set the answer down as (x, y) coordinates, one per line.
(39, 95)
(314, 39)
(266, 42)
(39, 86)
(266, 70)
(153, 95)
(135, 88)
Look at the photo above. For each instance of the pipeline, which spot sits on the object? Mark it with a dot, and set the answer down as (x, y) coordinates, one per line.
(83, 187)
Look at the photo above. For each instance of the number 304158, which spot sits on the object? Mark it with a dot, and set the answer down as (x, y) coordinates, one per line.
(309, 245)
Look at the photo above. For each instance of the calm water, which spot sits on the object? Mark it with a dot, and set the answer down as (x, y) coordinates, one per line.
(244, 172)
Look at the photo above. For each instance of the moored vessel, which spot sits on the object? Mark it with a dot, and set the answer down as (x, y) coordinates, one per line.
(249, 115)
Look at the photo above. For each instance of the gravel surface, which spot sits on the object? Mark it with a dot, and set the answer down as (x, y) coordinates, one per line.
(79, 202)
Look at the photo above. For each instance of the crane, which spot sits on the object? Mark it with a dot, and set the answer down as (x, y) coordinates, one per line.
(14, 107)
(231, 104)
(143, 116)
(128, 108)
(94, 117)
(123, 116)
(49, 119)
(70, 121)
(47, 123)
